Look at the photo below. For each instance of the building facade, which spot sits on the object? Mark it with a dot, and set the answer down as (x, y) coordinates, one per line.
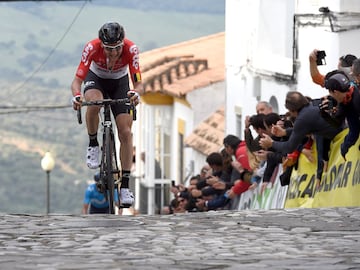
(268, 45)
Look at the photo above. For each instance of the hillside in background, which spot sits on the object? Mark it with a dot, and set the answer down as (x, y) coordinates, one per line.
(56, 32)
(40, 46)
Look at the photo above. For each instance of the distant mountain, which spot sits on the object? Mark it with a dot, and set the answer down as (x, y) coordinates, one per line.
(186, 6)
(54, 33)
(40, 46)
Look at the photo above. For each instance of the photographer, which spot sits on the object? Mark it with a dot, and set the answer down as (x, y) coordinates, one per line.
(343, 103)
(307, 121)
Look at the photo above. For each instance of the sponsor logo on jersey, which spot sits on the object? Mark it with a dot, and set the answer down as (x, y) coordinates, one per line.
(89, 83)
(135, 56)
(86, 53)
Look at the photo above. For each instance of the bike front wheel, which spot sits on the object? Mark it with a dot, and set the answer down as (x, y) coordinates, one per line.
(109, 165)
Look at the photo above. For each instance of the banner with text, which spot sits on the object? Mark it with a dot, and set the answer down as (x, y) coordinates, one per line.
(340, 184)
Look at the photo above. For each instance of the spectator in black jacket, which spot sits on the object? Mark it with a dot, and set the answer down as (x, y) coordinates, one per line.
(345, 97)
(307, 121)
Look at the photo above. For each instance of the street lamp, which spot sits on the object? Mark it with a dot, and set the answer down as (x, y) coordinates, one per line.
(47, 164)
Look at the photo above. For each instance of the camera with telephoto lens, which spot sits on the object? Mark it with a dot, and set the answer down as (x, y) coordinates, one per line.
(320, 58)
(332, 103)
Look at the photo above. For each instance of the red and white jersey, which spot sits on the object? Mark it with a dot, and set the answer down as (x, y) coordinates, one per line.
(93, 58)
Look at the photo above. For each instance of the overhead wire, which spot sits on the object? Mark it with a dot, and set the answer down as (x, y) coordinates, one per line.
(15, 90)
(23, 108)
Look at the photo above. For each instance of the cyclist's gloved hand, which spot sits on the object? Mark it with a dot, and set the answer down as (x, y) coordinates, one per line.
(134, 97)
(76, 101)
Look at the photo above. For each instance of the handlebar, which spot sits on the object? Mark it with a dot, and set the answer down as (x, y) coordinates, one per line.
(105, 102)
(108, 102)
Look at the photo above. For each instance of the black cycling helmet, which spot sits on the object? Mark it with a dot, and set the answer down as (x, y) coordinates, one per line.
(111, 33)
(337, 80)
(97, 177)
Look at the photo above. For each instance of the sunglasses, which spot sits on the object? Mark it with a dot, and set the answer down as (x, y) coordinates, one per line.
(116, 47)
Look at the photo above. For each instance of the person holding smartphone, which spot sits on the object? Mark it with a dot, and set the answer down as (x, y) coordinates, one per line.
(344, 64)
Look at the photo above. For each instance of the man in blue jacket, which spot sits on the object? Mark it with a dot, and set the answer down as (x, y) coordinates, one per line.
(95, 201)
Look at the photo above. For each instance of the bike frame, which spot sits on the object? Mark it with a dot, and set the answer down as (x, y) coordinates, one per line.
(108, 183)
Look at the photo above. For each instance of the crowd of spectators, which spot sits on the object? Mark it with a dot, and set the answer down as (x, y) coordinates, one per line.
(279, 140)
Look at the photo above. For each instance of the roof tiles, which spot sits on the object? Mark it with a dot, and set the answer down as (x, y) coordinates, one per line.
(208, 136)
(183, 67)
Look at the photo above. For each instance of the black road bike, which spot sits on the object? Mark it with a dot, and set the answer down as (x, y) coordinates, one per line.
(109, 170)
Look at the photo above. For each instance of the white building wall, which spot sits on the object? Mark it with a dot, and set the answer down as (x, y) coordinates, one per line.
(238, 31)
(259, 40)
(214, 95)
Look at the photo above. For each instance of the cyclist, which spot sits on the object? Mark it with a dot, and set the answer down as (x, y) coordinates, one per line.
(95, 199)
(104, 66)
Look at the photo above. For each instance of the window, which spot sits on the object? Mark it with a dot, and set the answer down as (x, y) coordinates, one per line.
(238, 122)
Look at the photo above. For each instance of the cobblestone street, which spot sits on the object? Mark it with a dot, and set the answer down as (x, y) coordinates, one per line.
(256, 239)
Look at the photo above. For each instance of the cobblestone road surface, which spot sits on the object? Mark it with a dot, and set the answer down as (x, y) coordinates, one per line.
(257, 239)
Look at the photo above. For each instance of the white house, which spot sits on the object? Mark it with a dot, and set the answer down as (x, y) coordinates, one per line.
(268, 45)
(184, 85)
(194, 87)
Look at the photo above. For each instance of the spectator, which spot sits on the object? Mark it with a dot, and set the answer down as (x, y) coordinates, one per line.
(221, 201)
(257, 122)
(180, 204)
(263, 107)
(307, 121)
(344, 64)
(96, 200)
(270, 120)
(228, 167)
(205, 172)
(194, 180)
(345, 94)
(219, 178)
(237, 148)
(271, 158)
(275, 158)
(170, 209)
(355, 72)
